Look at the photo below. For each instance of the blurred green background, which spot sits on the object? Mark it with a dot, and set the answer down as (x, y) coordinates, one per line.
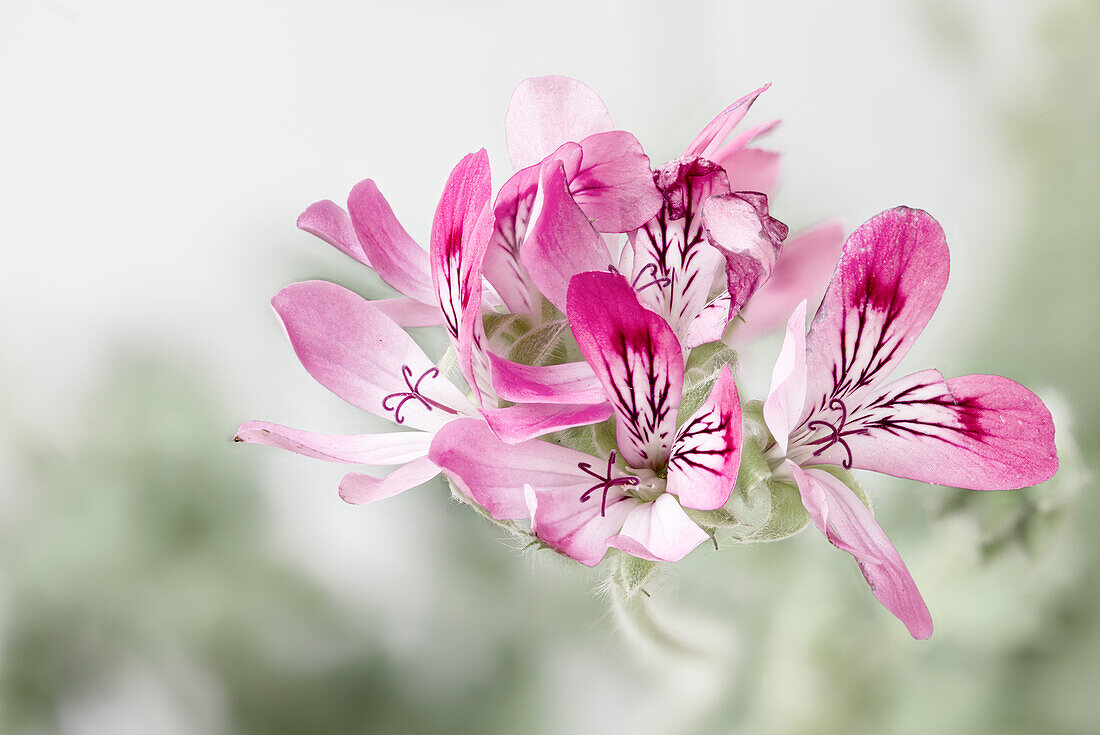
(156, 578)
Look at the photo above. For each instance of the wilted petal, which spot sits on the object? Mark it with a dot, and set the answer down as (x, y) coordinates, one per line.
(707, 450)
(529, 420)
(359, 489)
(408, 312)
(361, 355)
(328, 220)
(578, 529)
(375, 449)
(787, 395)
(545, 112)
(850, 526)
(659, 531)
(388, 247)
(493, 473)
(710, 139)
(573, 382)
(637, 358)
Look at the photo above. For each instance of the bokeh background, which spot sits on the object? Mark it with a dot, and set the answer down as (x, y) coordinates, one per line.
(154, 577)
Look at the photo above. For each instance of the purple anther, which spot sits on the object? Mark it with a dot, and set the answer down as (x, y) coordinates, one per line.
(835, 435)
(605, 482)
(413, 393)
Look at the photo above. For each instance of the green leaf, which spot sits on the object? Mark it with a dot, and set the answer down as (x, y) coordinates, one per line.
(542, 346)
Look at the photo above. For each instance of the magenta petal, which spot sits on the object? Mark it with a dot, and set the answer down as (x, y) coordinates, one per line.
(982, 432)
(801, 273)
(850, 526)
(707, 451)
(493, 473)
(710, 139)
(579, 529)
(787, 395)
(374, 449)
(545, 112)
(529, 420)
(562, 242)
(390, 250)
(638, 360)
(408, 312)
(614, 184)
(573, 382)
(328, 220)
(887, 285)
(358, 353)
(359, 489)
(659, 531)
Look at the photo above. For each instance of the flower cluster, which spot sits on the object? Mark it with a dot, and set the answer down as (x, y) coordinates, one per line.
(594, 309)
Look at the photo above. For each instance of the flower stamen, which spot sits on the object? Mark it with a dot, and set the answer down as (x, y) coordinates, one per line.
(605, 482)
(413, 393)
(835, 435)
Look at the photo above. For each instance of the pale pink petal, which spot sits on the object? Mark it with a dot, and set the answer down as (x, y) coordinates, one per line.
(637, 358)
(710, 139)
(361, 355)
(787, 395)
(741, 141)
(887, 285)
(545, 112)
(614, 184)
(850, 526)
(573, 382)
(328, 220)
(388, 247)
(709, 324)
(562, 241)
(707, 451)
(752, 169)
(493, 473)
(801, 273)
(529, 420)
(659, 531)
(408, 312)
(375, 449)
(359, 489)
(982, 432)
(578, 529)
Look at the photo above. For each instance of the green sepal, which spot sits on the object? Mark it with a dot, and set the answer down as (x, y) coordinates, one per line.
(631, 574)
(545, 345)
(704, 364)
(595, 439)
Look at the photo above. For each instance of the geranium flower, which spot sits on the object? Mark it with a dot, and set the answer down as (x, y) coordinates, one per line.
(582, 505)
(830, 403)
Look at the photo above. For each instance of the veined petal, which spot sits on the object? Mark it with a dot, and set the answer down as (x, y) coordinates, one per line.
(887, 285)
(545, 112)
(358, 353)
(707, 450)
(562, 241)
(802, 272)
(614, 184)
(328, 220)
(573, 382)
(374, 449)
(787, 395)
(408, 312)
(578, 529)
(710, 139)
(981, 432)
(493, 473)
(637, 358)
(850, 526)
(529, 420)
(659, 531)
(388, 247)
(358, 488)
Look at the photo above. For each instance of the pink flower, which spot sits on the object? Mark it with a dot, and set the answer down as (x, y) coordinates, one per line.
(582, 505)
(831, 404)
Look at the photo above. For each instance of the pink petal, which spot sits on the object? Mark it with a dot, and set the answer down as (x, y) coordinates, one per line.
(562, 242)
(328, 220)
(707, 451)
(388, 247)
(850, 526)
(374, 449)
(637, 358)
(358, 353)
(529, 420)
(659, 531)
(545, 112)
(752, 169)
(359, 489)
(578, 529)
(710, 139)
(614, 184)
(408, 312)
(801, 273)
(573, 382)
(493, 473)
(709, 324)
(887, 285)
(982, 432)
(783, 407)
